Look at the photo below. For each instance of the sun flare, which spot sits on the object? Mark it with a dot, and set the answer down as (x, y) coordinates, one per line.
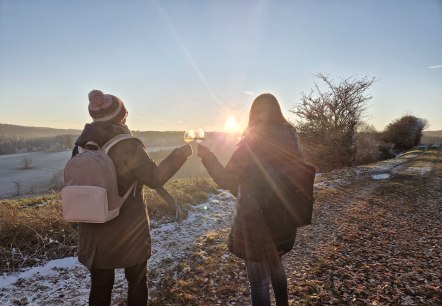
(231, 124)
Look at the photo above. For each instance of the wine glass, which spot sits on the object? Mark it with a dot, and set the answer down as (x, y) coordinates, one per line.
(194, 135)
(189, 136)
(199, 135)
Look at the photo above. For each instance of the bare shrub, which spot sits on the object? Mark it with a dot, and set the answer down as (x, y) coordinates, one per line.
(329, 120)
(26, 163)
(18, 187)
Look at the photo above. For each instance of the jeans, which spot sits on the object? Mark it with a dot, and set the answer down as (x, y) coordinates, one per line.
(259, 274)
(103, 283)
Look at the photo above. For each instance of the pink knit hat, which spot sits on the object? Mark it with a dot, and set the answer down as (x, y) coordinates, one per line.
(105, 107)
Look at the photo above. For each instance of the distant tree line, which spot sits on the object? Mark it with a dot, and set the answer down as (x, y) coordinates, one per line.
(334, 134)
(13, 144)
(160, 139)
(27, 132)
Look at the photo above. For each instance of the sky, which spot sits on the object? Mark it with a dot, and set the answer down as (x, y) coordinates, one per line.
(188, 64)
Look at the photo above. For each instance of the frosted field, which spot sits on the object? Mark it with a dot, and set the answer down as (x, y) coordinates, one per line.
(45, 171)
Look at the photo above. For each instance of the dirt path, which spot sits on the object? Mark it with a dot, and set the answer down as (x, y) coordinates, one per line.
(383, 247)
(372, 242)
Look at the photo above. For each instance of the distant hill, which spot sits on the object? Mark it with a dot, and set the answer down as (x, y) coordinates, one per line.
(20, 139)
(433, 133)
(26, 132)
(432, 137)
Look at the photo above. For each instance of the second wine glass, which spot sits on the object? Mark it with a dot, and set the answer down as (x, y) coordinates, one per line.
(194, 135)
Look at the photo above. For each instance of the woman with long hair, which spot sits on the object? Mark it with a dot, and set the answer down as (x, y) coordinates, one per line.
(269, 140)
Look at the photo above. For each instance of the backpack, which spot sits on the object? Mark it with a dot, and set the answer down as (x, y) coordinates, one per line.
(90, 194)
(289, 196)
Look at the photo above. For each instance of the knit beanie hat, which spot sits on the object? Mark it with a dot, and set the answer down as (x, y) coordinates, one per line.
(105, 107)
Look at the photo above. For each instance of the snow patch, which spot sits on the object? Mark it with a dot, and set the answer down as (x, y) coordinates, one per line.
(382, 176)
(48, 269)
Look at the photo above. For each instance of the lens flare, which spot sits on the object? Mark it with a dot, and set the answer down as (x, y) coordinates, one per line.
(231, 124)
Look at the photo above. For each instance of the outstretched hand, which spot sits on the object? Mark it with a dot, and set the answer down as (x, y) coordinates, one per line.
(203, 151)
(186, 149)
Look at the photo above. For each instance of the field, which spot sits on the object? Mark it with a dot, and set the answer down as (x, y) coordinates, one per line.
(42, 173)
(33, 173)
(375, 240)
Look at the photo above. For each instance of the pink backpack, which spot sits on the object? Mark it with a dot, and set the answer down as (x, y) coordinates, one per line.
(90, 194)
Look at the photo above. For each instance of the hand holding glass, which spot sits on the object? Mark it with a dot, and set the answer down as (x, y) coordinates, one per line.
(194, 135)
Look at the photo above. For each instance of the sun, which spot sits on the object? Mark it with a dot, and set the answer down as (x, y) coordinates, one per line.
(231, 124)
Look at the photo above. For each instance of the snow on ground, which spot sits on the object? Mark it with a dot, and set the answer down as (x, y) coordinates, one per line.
(382, 176)
(66, 282)
(389, 164)
(377, 171)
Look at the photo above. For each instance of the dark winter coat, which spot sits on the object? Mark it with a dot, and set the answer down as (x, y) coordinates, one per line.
(124, 241)
(251, 237)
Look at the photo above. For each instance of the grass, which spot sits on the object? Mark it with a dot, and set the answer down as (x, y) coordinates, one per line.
(186, 192)
(208, 276)
(32, 230)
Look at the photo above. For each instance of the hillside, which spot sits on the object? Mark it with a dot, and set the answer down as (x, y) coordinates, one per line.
(18, 136)
(433, 133)
(432, 137)
(10, 130)
(375, 240)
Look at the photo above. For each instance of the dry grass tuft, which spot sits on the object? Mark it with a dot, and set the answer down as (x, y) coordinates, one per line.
(33, 231)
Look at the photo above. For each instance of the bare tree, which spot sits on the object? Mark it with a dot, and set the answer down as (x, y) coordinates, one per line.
(329, 120)
(26, 162)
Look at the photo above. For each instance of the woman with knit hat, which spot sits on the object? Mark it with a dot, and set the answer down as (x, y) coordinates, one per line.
(125, 241)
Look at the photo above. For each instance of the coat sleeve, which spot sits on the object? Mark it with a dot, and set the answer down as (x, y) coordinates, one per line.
(146, 171)
(227, 177)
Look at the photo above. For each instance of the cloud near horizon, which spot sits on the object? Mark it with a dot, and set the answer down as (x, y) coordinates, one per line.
(435, 67)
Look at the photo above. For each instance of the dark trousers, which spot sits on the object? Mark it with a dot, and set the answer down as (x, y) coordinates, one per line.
(259, 274)
(103, 283)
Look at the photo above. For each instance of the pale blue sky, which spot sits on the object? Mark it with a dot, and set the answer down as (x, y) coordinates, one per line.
(189, 64)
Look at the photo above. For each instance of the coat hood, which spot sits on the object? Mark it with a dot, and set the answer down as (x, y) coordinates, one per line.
(100, 132)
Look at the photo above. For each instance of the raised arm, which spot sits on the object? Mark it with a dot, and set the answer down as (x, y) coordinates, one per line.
(145, 170)
(227, 177)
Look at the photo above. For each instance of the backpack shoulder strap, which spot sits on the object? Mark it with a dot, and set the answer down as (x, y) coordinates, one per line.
(106, 148)
(133, 188)
(114, 140)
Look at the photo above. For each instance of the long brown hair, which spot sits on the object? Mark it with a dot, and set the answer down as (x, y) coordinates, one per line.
(265, 112)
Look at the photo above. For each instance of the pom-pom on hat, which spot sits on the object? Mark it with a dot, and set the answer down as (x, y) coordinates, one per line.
(105, 107)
